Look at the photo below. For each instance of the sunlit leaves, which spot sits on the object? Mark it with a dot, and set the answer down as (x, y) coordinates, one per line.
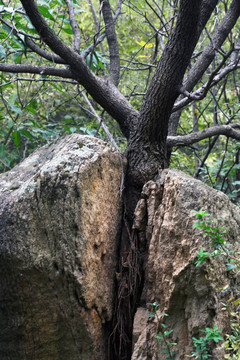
(144, 44)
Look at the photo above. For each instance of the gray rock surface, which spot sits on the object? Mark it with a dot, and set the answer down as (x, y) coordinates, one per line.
(59, 220)
(192, 297)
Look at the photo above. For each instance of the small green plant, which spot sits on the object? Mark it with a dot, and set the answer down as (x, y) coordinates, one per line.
(163, 332)
(202, 344)
(217, 236)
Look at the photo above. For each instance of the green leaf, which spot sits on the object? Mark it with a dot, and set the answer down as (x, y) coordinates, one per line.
(67, 30)
(27, 134)
(45, 12)
(3, 52)
(16, 137)
(167, 332)
(2, 150)
(151, 315)
(32, 106)
(66, 128)
(236, 302)
(231, 267)
(16, 109)
(17, 57)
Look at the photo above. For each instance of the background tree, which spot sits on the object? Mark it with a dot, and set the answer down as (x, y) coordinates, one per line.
(162, 74)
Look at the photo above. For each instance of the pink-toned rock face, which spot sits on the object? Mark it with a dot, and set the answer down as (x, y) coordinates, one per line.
(189, 295)
(59, 212)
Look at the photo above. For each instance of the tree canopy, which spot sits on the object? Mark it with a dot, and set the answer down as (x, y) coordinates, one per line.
(164, 68)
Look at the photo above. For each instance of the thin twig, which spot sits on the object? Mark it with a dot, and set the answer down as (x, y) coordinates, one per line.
(110, 138)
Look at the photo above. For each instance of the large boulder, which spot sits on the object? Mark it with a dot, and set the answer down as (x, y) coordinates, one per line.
(59, 221)
(193, 297)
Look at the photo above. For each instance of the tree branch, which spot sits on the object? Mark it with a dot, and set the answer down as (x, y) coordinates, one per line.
(183, 140)
(102, 37)
(147, 144)
(97, 24)
(38, 80)
(41, 70)
(45, 54)
(31, 44)
(171, 67)
(214, 78)
(207, 56)
(112, 42)
(207, 8)
(74, 25)
(105, 93)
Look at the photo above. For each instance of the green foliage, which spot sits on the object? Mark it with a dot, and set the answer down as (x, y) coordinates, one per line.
(35, 110)
(202, 344)
(232, 343)
(217, 237)
(27, 125)
(163, 334)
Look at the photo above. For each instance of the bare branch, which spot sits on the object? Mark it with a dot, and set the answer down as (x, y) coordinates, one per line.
(207, 8)
(210, 147)
(101, 122)
(51, 39)
(214, 78)
(200, 93)
(94, 14)
(110, 138)
(39, 80)
(207, 56)
(227, 130)
(45, 54)
(74, 25)
(31, 44)
(31, 69)
(112, 42)
(228, 22)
